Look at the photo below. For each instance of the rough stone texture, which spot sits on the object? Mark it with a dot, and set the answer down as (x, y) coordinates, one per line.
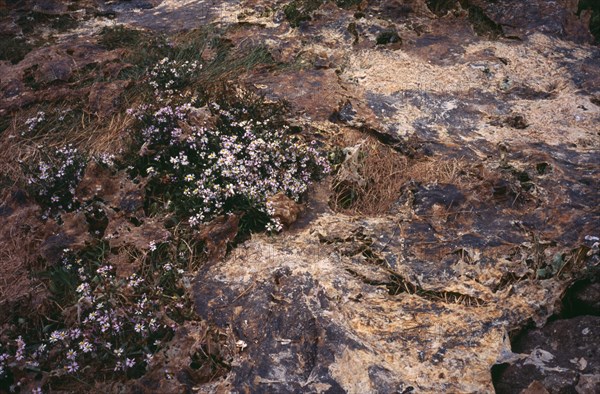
(284, 209)
(519, 18)
(563, 356)
(499, 195)
(54, 64)
(500, 138)
(588, 297)
(583, 297)
(345, 305)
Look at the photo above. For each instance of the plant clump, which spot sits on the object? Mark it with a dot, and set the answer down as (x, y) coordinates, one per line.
(110, 324)
(389, 36)
(54, 179)
(368, 180)
(114, 305)
(233, 165)
(299, 11)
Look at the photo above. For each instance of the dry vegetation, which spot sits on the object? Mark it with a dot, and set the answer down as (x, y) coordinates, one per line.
(372, 175)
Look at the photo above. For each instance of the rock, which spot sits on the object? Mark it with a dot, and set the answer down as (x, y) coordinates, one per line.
(122, 232)
(72, 234)
(56, 70)
(339, 306)
(117, 191)
(284, 208)
(588, 384)
(52, 67)
(50, 7)
(535, 388)
(557, 355)
(519, 18)
(583, 298)
(217, 235)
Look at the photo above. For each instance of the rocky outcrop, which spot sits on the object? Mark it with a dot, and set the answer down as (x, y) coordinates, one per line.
(488, 112)
(562, 357)
(346, 306)
(488, 227)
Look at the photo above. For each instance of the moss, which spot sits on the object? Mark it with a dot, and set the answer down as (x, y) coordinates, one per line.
(352, 30)
(300, 10)
(481, 23)
(441, 7)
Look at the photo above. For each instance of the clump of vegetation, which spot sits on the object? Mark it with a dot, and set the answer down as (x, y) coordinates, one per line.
(169, 76)
(441, 7)
(481, 23)
(199, 156)
(30, 21)
(369, 179)
(235, 164)
(388, 37)
(108, 324)
(300, 10)
(121, 37)
(54, 179)
(594, 7)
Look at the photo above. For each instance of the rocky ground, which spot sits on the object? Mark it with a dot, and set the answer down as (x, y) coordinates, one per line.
(454, 249)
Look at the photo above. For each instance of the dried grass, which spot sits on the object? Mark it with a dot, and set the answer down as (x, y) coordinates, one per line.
(89, 133)
(372, 176)
(21, 234)
(369, 180)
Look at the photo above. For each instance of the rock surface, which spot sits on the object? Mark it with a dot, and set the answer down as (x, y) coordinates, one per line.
(495, 186)
(496, 145)
(563, 357)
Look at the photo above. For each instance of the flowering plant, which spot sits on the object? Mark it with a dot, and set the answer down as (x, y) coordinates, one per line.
(114, 323)
(54, 179)
(245, 156)
(168, 75)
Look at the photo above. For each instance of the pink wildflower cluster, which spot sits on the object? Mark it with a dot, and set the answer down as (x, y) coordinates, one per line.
(33, 122)
(54, 179)
(170, 75)
(234, 166)
(115, 321)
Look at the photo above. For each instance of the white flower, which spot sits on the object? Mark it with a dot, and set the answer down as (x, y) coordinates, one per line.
(85, 346)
